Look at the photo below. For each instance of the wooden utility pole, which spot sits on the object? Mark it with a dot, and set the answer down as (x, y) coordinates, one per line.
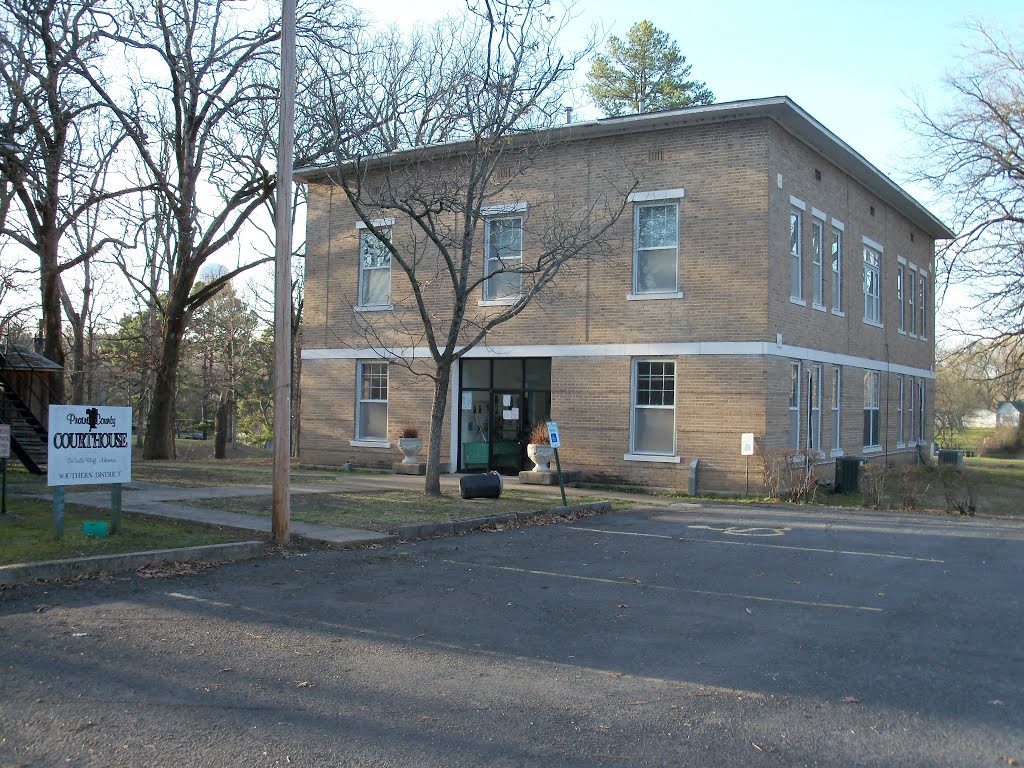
(283, 280)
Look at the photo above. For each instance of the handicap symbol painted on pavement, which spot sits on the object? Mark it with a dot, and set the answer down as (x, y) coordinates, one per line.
(736, 531)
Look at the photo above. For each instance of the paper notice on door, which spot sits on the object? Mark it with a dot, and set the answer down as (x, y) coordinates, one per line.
(507, 415)
(506, 400)
(515, 414)
(467, 401)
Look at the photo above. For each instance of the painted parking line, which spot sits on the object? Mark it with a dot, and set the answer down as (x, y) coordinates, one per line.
(665, 588)
(732, 530)
(851, 552)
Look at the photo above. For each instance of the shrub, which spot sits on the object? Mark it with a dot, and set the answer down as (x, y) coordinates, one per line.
(959, 490)
(539, 434)
(910, 483)
(410, 432)
(872, 484)
(789, 474)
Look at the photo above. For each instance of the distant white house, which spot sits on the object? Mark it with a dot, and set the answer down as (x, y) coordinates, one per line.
(981, 418)
(1008, 413)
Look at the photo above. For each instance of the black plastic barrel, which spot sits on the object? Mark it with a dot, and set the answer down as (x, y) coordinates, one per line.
(486, 486)
(848, 469)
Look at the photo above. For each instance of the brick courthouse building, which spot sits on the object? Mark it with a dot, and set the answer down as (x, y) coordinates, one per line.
(766, 278)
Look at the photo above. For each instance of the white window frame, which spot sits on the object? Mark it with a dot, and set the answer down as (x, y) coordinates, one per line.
(837, 411)
(911, 292)
(922, 281)
(364, 235)
(872, 269)
(814, 407)
(796, 256)
(501, 213)
(817, 259)
(900, 398)
(654, 200)
(371, 441)
(872, 411)
(634, 454)
(901, 298)
(795, 384)
(837, 267)
(922, 391)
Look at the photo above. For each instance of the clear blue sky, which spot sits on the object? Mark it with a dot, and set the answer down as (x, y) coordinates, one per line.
(851, 65)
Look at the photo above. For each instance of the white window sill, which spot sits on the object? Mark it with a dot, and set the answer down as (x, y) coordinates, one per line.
(498, 302)
(872, 449)
(873, 323)
(652, 457)
(838, 313)
(798, 302)
(369, 443)
(836, 453)
(654, 296)
(900, 445)
(819, 307)
(901, 332)
(913, 335)
(374, 308)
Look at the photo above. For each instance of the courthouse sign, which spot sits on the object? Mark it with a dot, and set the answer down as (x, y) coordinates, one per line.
(89, 445)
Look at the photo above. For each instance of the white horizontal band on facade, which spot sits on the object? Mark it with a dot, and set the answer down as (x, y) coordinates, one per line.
(656, 194)
(667, 349)
(388, 222)
(501, 209)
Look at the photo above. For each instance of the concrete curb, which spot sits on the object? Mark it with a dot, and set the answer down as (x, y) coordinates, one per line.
(466, 525)
(24, 573)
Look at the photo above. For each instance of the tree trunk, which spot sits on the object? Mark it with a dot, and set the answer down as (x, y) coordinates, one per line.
(53, 347)
(432, 483)
(160, 434)
(220, 443)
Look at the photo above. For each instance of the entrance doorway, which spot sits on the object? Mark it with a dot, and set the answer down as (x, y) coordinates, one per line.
(500, 400)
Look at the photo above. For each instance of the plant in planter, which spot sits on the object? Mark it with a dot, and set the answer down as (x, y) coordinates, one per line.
(539, 448)
(410, 443)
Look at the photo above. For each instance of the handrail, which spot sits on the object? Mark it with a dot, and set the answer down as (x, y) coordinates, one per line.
(42, 395)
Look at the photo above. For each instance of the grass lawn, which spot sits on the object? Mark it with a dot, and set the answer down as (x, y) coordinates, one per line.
(383, 509)
(26, 533)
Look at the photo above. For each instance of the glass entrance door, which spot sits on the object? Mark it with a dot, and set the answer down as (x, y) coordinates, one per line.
(507, 441)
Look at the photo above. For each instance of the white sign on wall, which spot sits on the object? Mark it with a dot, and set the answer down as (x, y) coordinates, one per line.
(747, 444)
(89, 445)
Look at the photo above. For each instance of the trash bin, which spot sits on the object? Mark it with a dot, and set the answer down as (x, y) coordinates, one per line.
(486, 486)
(848, 474)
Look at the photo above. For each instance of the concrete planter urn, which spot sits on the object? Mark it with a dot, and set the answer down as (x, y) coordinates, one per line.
(541, 455)
(410, 448)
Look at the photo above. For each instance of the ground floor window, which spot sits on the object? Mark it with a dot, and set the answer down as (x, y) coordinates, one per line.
(372, 405)
(794, 406)
(920, 414)
(654, 407)
(814, 408)
(872, 409)
(837, 400)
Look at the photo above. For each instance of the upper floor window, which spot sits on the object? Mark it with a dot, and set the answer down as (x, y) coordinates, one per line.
(374, 269)
(872, 285)
(818, 263)
(654, 407)
(503, 245)
(656, 246)
(922, 314)
(796, 285)
(872, 409)
(837, 267)
(901, 298)
(911, 303)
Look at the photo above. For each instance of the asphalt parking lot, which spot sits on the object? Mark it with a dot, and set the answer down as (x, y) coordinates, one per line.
(690, 635)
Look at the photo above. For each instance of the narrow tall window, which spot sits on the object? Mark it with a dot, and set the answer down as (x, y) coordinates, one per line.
(818, 262)
(922, 295)
(837, 270)
(872, 285)
(912, 409)
(372, 406)
(900, 398)
(374, 270)
(656, 260)
(794, 406)
(872, 411)
(814, 408)
(503, 238)
(796, 288)
(911, 291)
(654, 407)
(920, 412)
(901, 298)
(837, 405)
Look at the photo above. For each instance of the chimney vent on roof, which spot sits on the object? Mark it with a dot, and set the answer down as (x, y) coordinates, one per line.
(568, 115)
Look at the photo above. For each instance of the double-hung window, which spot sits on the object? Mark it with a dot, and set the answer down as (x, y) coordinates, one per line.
(872, 285)
(920, 411)
(872, 409)
(654, 407)
(900, 397)
(922, 295)
(817, 262)
(911, 303)
(794, 406)
(814, 408)
(901, 298)
(796, 245)
(374, 269)
(503, 244)
(912, 410)
(656, 248)
(837, 405)
(372, 403)
(837, 267)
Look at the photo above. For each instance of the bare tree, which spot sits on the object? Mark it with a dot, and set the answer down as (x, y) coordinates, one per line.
(56, 144)
(492, 85)
(974, 159)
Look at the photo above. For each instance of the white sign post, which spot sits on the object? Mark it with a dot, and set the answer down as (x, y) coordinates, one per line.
(747, 450)
(556, 443)
(88, 445)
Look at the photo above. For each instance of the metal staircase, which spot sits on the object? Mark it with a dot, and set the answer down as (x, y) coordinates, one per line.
(28, 434)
